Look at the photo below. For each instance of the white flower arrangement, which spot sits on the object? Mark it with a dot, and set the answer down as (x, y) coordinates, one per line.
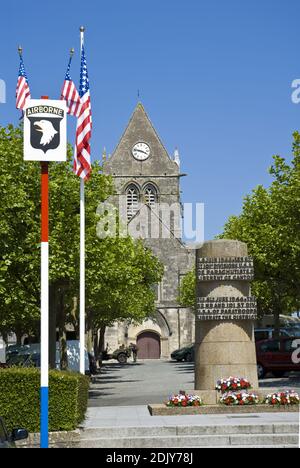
(232, 384)
(184, 400)
(239, 399)
(288, 397)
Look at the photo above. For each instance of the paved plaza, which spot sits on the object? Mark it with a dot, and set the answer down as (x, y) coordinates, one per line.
(139, 416)
(148, 382)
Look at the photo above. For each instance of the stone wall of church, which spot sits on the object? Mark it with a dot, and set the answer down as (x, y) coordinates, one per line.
(174, 324)
(178, 260)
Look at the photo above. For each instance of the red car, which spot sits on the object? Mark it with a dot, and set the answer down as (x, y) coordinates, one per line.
(278, 356)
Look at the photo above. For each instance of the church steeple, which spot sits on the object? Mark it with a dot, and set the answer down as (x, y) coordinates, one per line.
(177, 157)
(141, 150)
(104, 156)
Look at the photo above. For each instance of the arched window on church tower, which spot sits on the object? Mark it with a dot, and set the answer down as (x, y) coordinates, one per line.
(132, 196)
(150, 194)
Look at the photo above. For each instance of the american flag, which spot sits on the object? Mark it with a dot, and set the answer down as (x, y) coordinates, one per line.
(70, 94)
(23, 91)
(82, 159)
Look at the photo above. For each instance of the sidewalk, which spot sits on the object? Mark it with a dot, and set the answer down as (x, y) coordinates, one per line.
(133, 427)
(139, 416)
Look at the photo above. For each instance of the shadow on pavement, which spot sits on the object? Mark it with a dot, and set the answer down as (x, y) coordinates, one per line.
(104, 381)
(117, 366)
(93, 394)
(184, 367)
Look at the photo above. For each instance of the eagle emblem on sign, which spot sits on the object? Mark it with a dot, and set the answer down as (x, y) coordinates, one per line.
(45, 130)
(45, 133)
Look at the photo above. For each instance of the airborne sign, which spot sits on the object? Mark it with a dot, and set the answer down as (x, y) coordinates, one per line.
(45, 130)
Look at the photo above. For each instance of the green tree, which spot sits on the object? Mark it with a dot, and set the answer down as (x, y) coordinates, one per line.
(120, 272)
(187, 291)
(119, 283)
(19, 236)
(270, 225)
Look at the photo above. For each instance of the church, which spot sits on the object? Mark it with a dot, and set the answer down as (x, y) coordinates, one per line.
(147, 182)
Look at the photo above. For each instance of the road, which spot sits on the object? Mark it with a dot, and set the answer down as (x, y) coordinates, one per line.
(149, 381)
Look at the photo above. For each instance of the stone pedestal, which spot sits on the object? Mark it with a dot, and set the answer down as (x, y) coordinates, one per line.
(225, 314)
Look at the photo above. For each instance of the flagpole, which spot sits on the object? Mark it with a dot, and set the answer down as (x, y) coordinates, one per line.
(44, 391)
(82, 254)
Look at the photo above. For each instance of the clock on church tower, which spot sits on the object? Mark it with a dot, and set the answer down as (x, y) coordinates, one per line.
(141, 151)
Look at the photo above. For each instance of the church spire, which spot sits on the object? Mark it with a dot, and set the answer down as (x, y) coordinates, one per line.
(177, 157)
(104, 156)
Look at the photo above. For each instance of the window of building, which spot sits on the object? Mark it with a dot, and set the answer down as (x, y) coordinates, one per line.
(150, 193)
(132, 195)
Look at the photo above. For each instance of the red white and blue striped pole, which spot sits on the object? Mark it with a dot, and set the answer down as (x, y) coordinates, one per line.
(82, 257)
(44, 396)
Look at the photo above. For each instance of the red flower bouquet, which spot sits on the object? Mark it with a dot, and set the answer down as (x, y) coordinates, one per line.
(183, 400)
(288, 397)
(232, 384)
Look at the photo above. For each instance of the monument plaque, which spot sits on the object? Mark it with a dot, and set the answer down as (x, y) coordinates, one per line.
(225, 314)
(225, 269)
(226, 308)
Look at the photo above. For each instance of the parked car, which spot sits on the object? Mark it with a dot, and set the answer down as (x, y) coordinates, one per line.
(24, 360)
(29, 356)
(276, 356)
(8, 440)
(14, 350)
(268, 333)
(294, 331)
(184, 354)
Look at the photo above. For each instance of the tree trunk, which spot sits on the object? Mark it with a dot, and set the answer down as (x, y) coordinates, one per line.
(63, 349)
(62, 329)
(99, 344)
(96, 344)
(89, 333)
(19, 335)
(102, 338)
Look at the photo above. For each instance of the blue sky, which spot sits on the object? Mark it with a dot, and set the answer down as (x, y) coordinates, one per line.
(215, 78)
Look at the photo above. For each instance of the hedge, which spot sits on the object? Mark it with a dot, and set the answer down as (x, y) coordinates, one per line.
(20, 399)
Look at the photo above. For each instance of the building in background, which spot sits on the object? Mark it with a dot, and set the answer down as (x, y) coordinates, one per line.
(147, 184)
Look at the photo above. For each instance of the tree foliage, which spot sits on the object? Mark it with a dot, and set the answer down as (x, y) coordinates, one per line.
(187, 290)
(270, 225)
(120, 272)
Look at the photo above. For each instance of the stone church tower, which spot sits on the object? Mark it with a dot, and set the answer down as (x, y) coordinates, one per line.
(147, 184)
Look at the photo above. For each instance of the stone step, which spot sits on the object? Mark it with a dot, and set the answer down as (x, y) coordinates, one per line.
(160, 431)
(188, 441)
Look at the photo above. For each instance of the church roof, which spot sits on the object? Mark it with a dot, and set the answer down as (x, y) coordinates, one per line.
(140, 128)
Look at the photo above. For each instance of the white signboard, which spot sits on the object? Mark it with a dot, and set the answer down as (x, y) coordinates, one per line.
(45, 130)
